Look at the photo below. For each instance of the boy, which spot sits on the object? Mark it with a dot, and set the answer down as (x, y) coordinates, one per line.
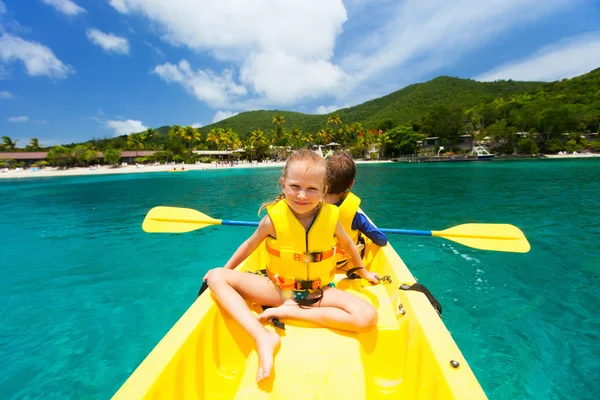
(341, 172)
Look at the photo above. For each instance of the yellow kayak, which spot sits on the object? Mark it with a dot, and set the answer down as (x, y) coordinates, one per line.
(178, 170)
(409, 355)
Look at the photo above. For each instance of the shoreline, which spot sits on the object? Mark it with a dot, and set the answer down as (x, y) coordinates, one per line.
(51, 172)
(132, 169)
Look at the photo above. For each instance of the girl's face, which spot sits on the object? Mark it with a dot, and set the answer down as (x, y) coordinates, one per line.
(303, 187)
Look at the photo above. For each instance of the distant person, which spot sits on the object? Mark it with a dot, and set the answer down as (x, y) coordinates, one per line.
(341, 172)
(300, 232)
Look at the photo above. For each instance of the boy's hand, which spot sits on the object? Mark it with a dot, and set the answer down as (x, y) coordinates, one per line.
(372, 277)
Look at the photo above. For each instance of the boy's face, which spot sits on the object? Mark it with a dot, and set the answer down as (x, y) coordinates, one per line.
(303, 187)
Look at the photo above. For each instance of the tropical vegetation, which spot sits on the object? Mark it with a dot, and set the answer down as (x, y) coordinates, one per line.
(509, 116)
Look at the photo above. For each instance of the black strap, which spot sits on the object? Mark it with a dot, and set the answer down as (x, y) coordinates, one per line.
(361, 240)
(351, 274)
(203, 288)
(421, 288)
(276, 322)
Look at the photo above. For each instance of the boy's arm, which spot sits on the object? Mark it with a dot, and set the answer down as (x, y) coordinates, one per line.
(361, 223)
(350, 248)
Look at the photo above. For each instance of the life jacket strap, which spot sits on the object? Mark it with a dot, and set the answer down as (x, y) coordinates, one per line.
(287, 283)
(305, 257)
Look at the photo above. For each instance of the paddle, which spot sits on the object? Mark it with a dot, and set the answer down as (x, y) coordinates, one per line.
(497, 237)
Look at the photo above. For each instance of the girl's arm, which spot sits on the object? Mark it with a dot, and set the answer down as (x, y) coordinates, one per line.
(265, 228)
(350, 248)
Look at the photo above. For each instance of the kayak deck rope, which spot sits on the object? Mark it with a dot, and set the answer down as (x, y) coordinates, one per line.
(419, 287)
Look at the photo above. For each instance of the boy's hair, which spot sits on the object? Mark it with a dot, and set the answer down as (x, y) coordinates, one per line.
(341, 172)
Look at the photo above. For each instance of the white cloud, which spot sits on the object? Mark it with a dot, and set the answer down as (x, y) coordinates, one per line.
(421, 37)
(221, 115)
(156, 50)
(66, 7)
(205, 85)
(285, 79)
(2, 8)
(565, 59)
(108, 41)
(325, 109)
(4, 95)
(409, 39)
(119, 5)
(281, 68)
(126, 127)
(196, 125)
(39, 60)
(20, 118)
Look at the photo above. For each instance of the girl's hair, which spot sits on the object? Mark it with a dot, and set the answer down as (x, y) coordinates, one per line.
(315, 161)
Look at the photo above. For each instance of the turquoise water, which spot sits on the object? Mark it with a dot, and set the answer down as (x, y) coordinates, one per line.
(86, 294)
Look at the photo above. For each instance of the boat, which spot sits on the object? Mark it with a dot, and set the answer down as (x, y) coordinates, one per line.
(409, 355)
(178, 170)
(482, 153)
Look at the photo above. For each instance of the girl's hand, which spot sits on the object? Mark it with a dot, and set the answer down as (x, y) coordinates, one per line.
(372, 277)
(208, 274)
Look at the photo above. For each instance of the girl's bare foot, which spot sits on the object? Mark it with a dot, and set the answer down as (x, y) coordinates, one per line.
(266, 347)
(274, 312)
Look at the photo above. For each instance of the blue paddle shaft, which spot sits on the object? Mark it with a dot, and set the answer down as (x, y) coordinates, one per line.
(238, 223)
(406, 232)
(396, 231)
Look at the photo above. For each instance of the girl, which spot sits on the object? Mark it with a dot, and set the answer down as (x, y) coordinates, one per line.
(301, 231)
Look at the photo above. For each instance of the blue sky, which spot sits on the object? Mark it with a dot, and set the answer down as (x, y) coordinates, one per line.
(71, 70)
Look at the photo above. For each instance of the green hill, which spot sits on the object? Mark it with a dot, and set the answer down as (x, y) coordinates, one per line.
(413, 102)
(248, 121)
(567, 105)
(408, 104)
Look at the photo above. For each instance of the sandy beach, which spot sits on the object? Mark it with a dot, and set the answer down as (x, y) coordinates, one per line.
(132, 169)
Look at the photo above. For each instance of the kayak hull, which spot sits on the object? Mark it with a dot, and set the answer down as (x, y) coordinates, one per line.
(410, 354)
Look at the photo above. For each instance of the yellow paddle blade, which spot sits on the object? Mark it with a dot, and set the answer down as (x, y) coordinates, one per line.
(176, 220)
(498, 237)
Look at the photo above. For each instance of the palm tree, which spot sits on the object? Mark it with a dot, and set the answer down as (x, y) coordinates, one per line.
(136, 141)
(213, 136)
(234, 139)
(191, 135)
(278, 120)
(279, 135)
(8, 143)
(256, 139)
(306, 138)
(323, 135)
(176, 132)
(148, 134)
(334, 119)
(33, 145)
(344, 135)
(356, 129)
(223, 138)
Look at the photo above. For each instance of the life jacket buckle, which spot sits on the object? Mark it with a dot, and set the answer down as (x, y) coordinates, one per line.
(308, 285)
(308, 257)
